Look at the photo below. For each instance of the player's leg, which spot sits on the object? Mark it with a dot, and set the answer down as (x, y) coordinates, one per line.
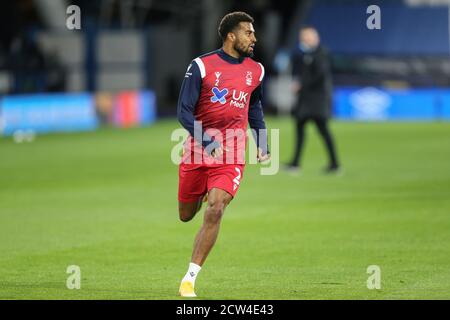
(187, 210)
(218, 199)
(299, 139)
(192, 187)
(223, 184)
(324, 131)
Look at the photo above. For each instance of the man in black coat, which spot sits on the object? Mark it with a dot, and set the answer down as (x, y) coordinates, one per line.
(313, 85)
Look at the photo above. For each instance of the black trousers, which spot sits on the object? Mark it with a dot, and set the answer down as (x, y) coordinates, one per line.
(322, 127)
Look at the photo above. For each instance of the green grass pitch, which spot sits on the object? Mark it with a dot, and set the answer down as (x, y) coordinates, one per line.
(107, 202)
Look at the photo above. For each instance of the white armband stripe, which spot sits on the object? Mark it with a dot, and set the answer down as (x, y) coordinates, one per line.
(201, 66)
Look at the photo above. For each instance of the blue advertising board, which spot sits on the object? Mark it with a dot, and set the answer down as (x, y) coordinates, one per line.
(444, 110)
(47, 113)
(381, 104)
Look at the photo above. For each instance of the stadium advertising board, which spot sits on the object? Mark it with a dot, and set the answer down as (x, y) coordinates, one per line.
(43, 113)
(380, 104)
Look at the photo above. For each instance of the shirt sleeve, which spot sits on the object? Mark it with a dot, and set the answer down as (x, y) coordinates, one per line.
(188, 98)
(256, 120)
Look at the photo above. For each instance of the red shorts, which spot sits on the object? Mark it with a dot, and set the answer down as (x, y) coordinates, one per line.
(196, 180)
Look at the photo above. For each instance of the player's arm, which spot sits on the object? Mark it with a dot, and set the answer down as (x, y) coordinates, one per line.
(257, 124)
(188, 98)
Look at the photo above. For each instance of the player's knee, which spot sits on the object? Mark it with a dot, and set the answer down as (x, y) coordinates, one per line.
(185, 218)
(215, 212)
(186, 215)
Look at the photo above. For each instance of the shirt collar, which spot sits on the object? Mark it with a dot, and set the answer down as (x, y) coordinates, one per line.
(225, 56)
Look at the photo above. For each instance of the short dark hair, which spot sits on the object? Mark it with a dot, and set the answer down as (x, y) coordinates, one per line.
(230, 21)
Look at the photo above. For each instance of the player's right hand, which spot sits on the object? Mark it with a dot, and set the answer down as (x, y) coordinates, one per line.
(218, 152)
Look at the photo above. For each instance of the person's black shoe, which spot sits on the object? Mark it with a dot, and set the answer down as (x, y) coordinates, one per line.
(336, 170)
(291, 169)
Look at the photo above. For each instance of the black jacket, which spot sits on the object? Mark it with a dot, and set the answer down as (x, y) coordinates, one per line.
(314, 72)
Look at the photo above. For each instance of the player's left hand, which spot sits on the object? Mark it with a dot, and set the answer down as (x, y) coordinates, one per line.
(261, 157)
